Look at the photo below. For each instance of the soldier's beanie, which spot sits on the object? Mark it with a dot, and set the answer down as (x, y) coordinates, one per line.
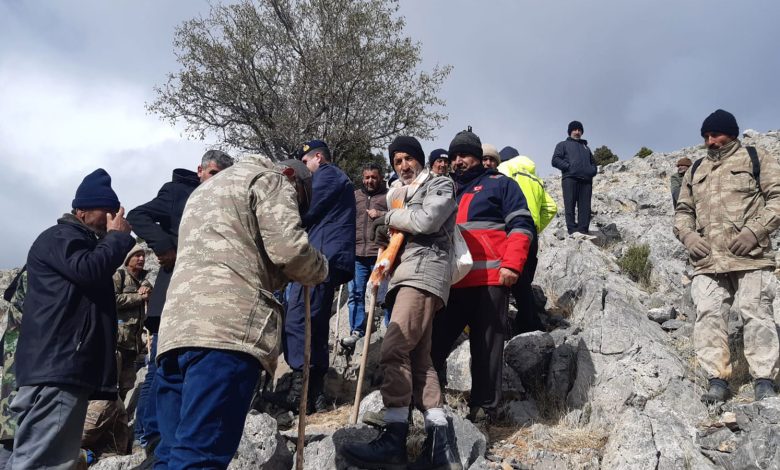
(508, 153)
(720, 121)
(467, 143)
(684, 161)
(95, 192)
(575, 125)
(133, 251)
(437, 154)
(489, 150)
(407, 144)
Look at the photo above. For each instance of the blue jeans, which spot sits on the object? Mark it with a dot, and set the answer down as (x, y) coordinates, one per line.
(146, 428)
(357, 294)
(203, 396)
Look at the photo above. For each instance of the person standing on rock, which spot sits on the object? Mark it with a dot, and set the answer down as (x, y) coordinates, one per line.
(494, 219)
(66, 350)
(419, 287)
(157, 223)
(543, 209)
(241, 238)
(439, 162)
(676, 180)
(371, 202)
(575, 160)
(729, 205)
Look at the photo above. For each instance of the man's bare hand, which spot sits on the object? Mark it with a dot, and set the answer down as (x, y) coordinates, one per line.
(145, 292)
(117, 222)
(373, 213)
(507, 277)
(167, 259)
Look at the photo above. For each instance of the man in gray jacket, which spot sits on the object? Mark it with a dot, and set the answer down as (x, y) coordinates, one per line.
(418, 288)
(575, 160)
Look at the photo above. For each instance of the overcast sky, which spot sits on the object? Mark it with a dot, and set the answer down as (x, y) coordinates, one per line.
(75, 75)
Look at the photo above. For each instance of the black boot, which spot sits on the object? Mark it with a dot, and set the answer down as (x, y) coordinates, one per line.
(387, 451)
(764, 388)
(318, 401)
(717, 393)
(438, 452)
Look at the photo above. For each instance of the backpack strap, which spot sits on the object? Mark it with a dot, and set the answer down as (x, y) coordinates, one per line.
(695, 165)
(11, 289)
(756, 164)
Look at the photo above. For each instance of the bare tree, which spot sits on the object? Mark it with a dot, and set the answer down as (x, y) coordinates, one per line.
(267, 75)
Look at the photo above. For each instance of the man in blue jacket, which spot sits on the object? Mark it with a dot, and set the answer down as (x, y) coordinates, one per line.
(575, 160)
(330, 223)
(65, 355)
(157, 222)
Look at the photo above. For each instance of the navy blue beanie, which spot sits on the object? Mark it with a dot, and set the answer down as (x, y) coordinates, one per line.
(508, 153)
(95, 192)
(437, 154)
(720, 121)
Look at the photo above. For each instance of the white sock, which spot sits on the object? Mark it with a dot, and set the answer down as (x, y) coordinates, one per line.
(396, 415)
(435, 417)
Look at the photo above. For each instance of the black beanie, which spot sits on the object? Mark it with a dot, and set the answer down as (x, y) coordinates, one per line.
(95, 192)
(407, 144)
(508, 153)
(466, 142)
(720, 121)
(575, 125)
(437, 154)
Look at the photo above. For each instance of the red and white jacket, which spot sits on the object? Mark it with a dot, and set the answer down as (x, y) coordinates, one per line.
(495, 222)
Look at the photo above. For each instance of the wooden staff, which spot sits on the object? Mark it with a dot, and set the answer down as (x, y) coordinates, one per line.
(305, 392)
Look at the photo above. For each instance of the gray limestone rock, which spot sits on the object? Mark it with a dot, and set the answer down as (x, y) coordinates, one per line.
(671, 325)
(261, 445)
(662, 314)
(520, 413)
(459, 368)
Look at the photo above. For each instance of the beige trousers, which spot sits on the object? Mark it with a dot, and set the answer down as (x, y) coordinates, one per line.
(713, 295)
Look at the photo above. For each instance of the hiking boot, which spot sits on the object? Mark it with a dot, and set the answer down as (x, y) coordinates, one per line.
(438, 452)
(387, 451)
(350, 341)
(764, 388)
(717, 393)
(479, 415)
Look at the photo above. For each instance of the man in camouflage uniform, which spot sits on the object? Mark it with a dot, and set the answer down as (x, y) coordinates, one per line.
(240, 240)
(14, 295)
(727, 210)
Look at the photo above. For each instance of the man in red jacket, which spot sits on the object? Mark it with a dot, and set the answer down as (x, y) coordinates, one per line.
(495, 222)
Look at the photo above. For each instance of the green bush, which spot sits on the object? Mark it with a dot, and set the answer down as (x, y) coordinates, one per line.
(636, 264)
(644, 152)
(604, 156)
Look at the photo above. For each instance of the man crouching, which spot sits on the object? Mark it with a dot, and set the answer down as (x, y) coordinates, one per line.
(240, 239)
(418, 288)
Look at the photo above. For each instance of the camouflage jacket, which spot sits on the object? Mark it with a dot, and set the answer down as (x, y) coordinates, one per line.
(10, 337)
(721, 199)
(130, 309)
(240, 239)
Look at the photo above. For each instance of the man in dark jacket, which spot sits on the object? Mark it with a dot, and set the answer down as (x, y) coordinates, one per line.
(330, 223)
(371, 202)
(575, 160)
(676, 180)
(157, 222)
(65, 355)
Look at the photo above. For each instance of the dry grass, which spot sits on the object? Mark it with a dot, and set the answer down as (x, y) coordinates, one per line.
(508, 442)
(335, 419)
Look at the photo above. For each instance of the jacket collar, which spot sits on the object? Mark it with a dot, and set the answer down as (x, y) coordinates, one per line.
(469, 175)
(579, 141)
(71, 219)
(724, 152)
(188, 177)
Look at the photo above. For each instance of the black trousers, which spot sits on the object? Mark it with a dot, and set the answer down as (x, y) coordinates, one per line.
(576, 195)
(527, 318)
(484, 310)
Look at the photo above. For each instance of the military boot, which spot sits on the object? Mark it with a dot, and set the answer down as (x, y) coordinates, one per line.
(387, 451)
(438, 452)
(764, 388)
(717, 393)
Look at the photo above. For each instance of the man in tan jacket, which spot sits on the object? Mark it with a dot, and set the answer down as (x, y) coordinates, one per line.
(729, 205)
(240, 239)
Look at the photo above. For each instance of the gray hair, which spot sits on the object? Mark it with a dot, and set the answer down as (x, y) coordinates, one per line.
(219, 157)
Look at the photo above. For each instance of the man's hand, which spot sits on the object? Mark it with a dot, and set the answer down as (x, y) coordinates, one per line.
(378, 232)
(373, 213)
(696, 245)
(117, 222)
(167, 259)
(145, 292)
(744, 243)
(507, 277)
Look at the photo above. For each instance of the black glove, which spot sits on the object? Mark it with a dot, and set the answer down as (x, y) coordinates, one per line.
(378, 233)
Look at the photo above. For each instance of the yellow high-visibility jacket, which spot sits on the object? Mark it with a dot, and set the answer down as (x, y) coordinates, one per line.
(523, 170)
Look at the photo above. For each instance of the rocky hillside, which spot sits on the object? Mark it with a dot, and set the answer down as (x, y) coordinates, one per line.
(614, 384)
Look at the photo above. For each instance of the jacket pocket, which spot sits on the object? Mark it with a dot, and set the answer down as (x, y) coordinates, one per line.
(742, 181)
(263, 326)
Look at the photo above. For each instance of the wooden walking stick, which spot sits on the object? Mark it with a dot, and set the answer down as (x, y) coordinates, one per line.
(305, 391)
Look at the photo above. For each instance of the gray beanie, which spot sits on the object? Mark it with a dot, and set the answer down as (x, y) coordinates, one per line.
(466, 142)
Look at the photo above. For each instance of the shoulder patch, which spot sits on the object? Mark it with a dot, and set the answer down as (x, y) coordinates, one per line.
(496, 176)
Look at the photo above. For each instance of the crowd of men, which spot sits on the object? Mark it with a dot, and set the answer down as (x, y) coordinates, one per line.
(239, 244)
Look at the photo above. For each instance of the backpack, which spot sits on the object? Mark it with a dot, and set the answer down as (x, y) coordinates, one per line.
(753, 159)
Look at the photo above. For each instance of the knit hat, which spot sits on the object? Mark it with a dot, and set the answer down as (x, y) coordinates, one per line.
(575, 125)
(684, 161)
(466, 142)
(720, 121)
(490, 151)
(407, 144)
(130, 253)
(95, 192)
(437, 154)
(508, 153)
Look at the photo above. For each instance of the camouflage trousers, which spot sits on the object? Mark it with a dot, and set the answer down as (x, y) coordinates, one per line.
(753, 292)
(105, 428)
